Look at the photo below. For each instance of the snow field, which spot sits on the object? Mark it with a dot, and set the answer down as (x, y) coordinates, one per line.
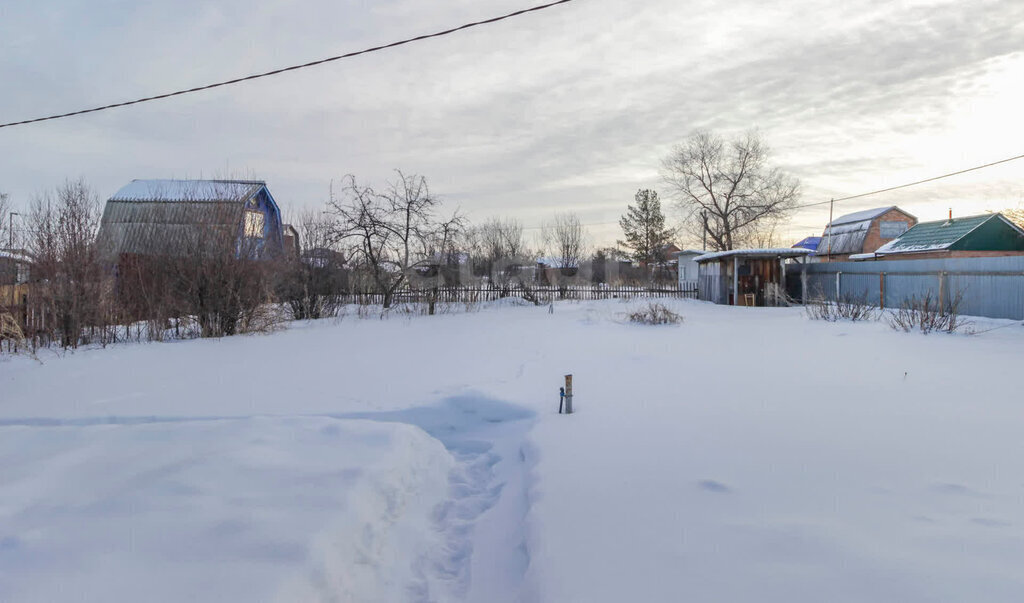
(746, 455)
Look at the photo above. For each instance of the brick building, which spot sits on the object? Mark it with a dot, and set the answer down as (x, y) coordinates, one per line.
(862, 232)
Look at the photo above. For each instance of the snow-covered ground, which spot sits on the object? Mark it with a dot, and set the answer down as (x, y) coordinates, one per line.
(746, 455)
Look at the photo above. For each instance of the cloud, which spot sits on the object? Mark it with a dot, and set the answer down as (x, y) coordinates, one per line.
(571, 108)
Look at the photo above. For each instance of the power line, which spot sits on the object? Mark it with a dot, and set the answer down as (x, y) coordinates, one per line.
(892, 188)
(293, 67)
(956, 173)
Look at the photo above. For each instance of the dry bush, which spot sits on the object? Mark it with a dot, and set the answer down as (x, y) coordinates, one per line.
(926, 314)
(70, 294)
(655, 314)
(10, 331)
(848, 307)
(313, 284)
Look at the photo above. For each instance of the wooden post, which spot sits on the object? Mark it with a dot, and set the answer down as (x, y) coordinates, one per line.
(803, 285)
(881, 290)
(735, 280)
(568, 394)
(838, 278)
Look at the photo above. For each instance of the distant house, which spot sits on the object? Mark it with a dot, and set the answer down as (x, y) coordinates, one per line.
(551, 270)
(985, 235)
(290, 240)
(178, 217)
(15, 272)
(687, 265)
(745, 277)
(15, 267)
(862, 232)
(666, 253)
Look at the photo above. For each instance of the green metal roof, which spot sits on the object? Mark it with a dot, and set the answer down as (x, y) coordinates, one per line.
(984, 232)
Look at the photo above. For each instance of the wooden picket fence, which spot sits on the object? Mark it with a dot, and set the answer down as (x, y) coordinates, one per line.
(470, 295)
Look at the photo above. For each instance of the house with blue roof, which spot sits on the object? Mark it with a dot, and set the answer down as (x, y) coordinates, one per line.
(175, 218)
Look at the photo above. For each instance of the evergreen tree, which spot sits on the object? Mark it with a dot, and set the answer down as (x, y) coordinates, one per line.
(644, 227)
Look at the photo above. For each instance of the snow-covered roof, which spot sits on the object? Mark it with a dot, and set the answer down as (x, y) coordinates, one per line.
(778, 252)
(14, 255)
(188, 190)
(688, 252)
(860, 216)
(849, 232)
(552, 262)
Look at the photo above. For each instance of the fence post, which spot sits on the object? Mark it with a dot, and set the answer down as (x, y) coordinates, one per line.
(942, 293)
(803, 285)
(881, 290)
(838, 278)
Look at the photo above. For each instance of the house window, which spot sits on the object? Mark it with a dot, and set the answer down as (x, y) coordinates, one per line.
(891, 230)
(254, 224)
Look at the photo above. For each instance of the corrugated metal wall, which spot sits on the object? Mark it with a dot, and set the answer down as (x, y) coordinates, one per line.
(992, 287)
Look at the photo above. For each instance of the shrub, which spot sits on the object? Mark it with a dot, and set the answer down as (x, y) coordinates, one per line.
(848, 307)
(927, 314)
(655, 314)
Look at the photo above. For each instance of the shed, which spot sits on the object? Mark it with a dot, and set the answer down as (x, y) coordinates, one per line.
(178, 217)
(687, 266)
(745, 277)
(862, 232)
(984, 235)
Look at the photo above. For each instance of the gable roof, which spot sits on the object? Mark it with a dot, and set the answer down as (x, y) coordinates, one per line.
(860, 216)
(808, 243)
(943, 234)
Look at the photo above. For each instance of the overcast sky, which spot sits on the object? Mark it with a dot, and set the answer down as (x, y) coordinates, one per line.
(571, 108)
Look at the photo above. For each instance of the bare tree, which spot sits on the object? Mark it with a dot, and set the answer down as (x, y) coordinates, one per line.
(1015, 215)
(313, 282)
(566, 239)
(501, 252)
(726, 189)
(386, 230)
(71, 293)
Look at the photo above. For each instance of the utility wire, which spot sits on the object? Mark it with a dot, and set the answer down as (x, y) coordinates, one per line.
(883, 190)
(892, 188)
(293, 67)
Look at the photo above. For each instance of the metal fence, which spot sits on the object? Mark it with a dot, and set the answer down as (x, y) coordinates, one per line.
(991, 287)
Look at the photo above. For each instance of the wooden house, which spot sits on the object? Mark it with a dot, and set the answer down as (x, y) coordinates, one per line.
(154, 218)
(862, 232)
(15, 272)
(745, 277)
